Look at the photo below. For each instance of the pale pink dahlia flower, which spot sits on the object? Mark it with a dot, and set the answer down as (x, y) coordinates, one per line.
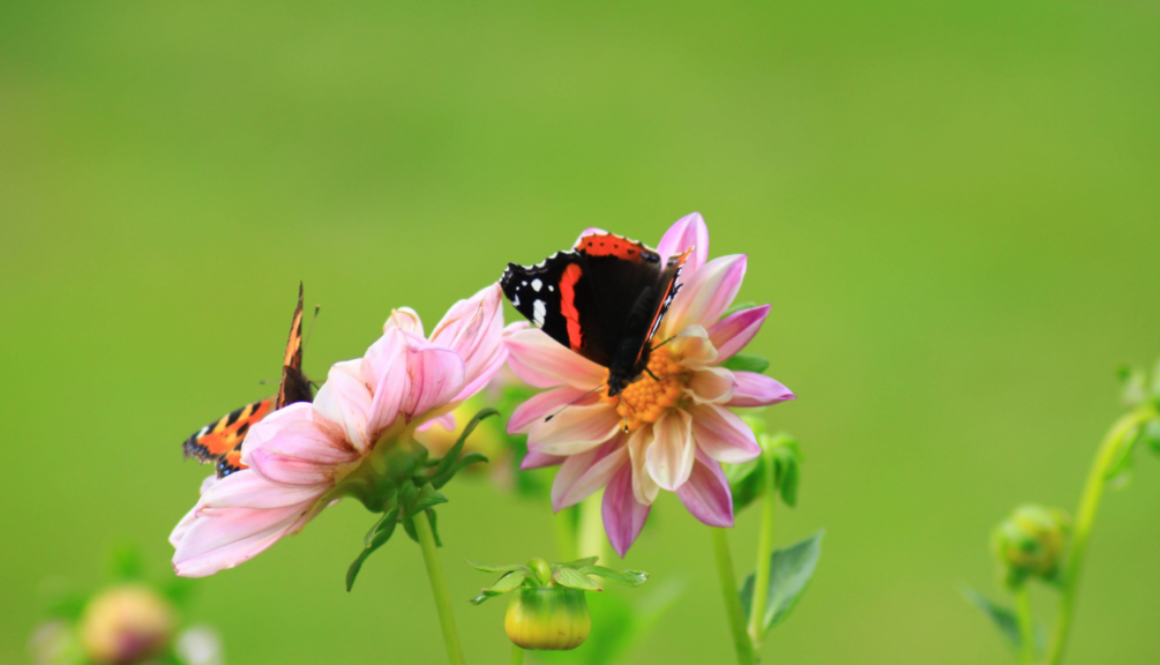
(669, 434)
(298, 454)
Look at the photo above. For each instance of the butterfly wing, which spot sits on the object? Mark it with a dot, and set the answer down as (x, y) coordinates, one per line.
(295, 387)
(218, 440)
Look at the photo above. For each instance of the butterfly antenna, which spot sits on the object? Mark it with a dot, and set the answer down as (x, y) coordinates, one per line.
(561, 409)
(265, 381)
(317, 309)
(662, 344)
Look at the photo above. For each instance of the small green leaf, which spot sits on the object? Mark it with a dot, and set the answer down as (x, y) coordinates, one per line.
(628, 577)
(508, 582)
(452, 455)
(744, 362)
(409, 528)
(738, 307)
(746, 482)
(574, 579)
(488, 568)
(424, 499)
(378, 536)
(464, 462)
(790, 571)
(1003, 619)
(578, 563)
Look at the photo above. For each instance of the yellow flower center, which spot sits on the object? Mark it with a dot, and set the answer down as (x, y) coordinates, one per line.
(646, 399)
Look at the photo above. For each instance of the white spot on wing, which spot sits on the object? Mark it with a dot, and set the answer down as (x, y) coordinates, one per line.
(537, 284)
(516, 300)
(539, 311)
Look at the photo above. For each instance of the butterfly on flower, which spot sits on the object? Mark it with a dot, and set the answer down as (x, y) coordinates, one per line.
(220, 442)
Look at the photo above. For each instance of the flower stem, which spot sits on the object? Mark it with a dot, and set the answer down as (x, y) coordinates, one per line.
(764, 554)
(1026, 625)
(1108, 455)
(592, 539)
(733, 610)
(517, 655)
(439, 589)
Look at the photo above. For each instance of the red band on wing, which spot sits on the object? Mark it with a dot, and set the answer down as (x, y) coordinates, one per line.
(568, 281)
(609, 244)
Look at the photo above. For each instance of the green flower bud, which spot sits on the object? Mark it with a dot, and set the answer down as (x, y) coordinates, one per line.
(550, 619)
(1031, 543)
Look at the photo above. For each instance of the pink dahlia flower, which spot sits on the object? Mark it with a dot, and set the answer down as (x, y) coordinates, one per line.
(670, 434)
(298, 454)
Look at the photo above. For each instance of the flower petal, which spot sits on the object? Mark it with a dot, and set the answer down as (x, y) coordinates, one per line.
(345, 400)
(707, 494)
(473, 328)
(385, 369)
(670, 457)
(722, 435)
(583, 474)
(693, 346)
(520, 370)
(575, 429)
(299, 431)
(753, 389)
(734, 332)
(436, 377)
(711, 385)
(707, 293)
(406, 319)
(688, 231)
(644, 488)
(548, 358)
(539, 406)
(227, 537)
(623, 515)
(536, 460)
(252, 489)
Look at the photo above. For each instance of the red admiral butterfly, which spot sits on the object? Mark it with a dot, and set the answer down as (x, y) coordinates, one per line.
(605, 300)
(220, 442)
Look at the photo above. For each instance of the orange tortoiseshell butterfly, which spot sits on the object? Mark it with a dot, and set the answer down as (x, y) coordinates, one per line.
(220, 442)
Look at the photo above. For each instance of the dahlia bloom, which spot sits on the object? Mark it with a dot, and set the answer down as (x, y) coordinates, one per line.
(297, 455)
(670, 433)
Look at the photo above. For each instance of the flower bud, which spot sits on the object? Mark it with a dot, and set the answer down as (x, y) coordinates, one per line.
(550, 619)
(126, 624)
(1031, 543)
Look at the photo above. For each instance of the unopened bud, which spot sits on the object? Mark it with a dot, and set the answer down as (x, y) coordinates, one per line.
(551, 619)
(1032, 542)
(126, 624)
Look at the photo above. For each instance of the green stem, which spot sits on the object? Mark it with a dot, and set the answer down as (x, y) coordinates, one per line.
(592, 539)
(517, 655)
(764, 554)
(1026, 625)
(1108, 455)
(439, 589)
(733, 610)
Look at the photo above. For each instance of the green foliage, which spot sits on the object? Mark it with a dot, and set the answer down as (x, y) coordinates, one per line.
(627, 577)
(538, 573)
(791, 569)
(378, 536)
(747, 481)
(744, 362)
(1004, 621)
(574, 579)
(1151, 435)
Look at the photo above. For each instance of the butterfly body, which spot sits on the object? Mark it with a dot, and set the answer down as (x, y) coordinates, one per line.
(220, 442)
(604, 300)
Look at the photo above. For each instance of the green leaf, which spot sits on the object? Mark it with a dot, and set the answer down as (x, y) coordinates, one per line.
(790, 571)
(578, 563)
(744, 362)
(746, 481)
(508, 582)
(425, 498)
(379, 534)
(1003, 619)
(574, 579)
(452, 456)
(433, 520)
(464, 462)
(628, 577)
(1119, 474)
(1134, 380)
(738, 307)
(488, 568)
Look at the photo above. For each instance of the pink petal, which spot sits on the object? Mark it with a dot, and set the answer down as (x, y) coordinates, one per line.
(693, 346)
(540, 406)
(711, 385)
(707, 494)
(473, 328)
(644, 488)
(623, 516)
(385, 369)
(548, 358)
(225, 538)
(734, 332)
(252, 489)
(753, 389)
(345, 400)
(299, 431)
(587, 232)
(446, 421)
(670, 457)
(583, 474)
(722, 435)
(538, 460)
(292, 471)
(436, 377)
(406, 319)
(707, 294)
(575, 429)
(520, 370)
(688, 231)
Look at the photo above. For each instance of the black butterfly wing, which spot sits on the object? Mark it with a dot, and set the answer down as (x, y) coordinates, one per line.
(295, 387)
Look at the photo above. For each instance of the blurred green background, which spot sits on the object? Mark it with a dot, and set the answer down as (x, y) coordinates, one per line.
(953, 208)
